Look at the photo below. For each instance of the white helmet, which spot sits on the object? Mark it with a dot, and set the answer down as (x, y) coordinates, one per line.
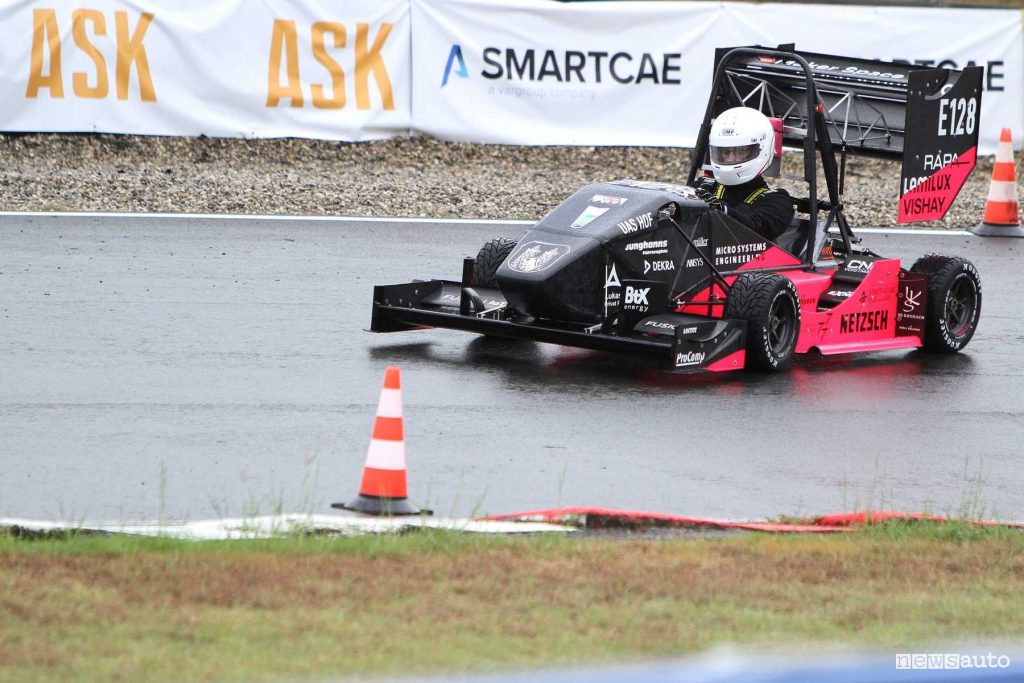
(742, 145)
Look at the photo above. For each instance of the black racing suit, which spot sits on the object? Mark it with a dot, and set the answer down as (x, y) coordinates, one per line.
(765, 211)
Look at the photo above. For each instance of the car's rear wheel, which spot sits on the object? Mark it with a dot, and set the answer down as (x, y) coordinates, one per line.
(489, 259)
(954, 301)
(770, 305)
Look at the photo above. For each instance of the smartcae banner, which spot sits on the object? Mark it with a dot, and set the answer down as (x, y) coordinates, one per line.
(638, 73)
(548, 73)
(305, 68)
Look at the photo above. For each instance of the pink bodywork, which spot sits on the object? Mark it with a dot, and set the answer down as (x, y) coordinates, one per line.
(866, 321)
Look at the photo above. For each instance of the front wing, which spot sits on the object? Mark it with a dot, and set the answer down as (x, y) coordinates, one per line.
(683, 342)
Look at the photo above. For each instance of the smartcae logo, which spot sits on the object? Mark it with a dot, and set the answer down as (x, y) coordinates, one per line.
(455, 56)
(544, 65)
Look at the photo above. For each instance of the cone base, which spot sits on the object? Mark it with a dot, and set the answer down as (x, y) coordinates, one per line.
(386, 507)
(991, 230)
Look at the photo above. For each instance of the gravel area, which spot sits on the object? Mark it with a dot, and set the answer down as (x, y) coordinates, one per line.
(405, 176)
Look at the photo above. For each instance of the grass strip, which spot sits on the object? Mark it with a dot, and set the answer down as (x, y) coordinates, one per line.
(113, 608)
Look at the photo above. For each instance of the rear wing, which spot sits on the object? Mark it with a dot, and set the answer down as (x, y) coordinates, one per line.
(927, 118)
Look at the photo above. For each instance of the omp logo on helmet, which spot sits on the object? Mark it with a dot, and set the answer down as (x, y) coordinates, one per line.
(534, 257)
(455, 57)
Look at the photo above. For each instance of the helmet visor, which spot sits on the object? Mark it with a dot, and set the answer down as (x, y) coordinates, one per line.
(730, 156)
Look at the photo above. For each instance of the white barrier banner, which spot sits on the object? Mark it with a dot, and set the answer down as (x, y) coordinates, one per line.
(508, 71)
(638, 73)
(548, 73)
(303, 68)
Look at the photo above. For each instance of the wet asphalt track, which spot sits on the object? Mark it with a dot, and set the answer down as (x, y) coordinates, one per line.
(198, 367)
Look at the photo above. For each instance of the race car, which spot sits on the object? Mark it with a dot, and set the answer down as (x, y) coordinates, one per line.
(649, 268)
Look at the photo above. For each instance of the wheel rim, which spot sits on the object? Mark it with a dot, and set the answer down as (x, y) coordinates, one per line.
(961, 303)
(781, 325)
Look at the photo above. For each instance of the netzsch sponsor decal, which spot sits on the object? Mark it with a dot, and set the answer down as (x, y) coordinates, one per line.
(641, 222)
(868, 321)
(689, 358)
(568, 66)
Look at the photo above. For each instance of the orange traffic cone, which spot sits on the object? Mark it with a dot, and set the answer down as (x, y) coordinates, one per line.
(1002, 214)
(383, 489)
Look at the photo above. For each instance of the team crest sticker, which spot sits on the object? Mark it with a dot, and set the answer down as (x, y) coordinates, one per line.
(534, 257)
(588, 215)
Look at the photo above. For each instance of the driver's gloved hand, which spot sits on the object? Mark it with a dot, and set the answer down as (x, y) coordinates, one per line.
(709, 198)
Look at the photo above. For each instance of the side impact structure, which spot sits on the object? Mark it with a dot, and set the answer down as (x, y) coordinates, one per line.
(383, 489)
(1002, 212)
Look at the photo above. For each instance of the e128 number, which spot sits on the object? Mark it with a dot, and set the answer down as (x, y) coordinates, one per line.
(957, 116)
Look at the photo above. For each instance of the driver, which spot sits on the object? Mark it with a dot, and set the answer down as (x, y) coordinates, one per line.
(742, 144)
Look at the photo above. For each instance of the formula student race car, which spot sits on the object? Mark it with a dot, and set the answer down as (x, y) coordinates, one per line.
(648, 268)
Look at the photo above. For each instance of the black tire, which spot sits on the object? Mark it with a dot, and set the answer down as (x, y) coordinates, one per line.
(489, 258)
(954, 301)
(771, 306)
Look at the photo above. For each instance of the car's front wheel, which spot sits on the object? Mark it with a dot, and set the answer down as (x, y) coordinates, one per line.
(771, 306)
(954, 301)
(489, 259)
